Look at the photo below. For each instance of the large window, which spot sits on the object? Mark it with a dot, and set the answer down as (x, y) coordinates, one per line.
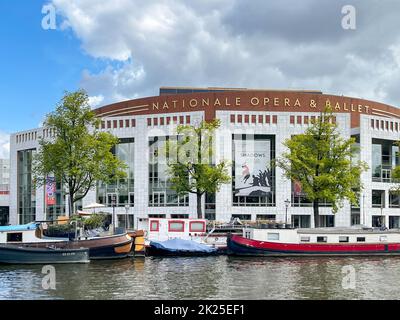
(253, 182)
(394, 222)
(385, 156)
(123, 189)
(26, 187)
(378, 198)
(301, 221)
(160, 192)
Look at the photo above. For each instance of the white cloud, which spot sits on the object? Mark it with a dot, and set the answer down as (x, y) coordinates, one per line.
(237, 43)
(95, 101)
(4, 145)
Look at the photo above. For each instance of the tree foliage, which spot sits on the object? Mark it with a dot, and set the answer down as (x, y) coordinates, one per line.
(191, 165)
(78, 155)
(322, 161)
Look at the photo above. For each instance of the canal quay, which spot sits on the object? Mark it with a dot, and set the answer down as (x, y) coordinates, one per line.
(209, 278)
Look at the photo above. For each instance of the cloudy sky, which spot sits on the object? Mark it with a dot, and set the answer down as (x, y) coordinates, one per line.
(123, 49)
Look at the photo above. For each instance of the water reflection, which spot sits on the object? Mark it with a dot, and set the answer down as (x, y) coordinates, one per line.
(208, 278)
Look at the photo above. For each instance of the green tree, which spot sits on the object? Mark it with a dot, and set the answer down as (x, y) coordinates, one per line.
(79, 154)
(191, 168)
(322, 161)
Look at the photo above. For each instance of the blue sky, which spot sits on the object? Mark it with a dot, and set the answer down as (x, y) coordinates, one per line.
(37, 65)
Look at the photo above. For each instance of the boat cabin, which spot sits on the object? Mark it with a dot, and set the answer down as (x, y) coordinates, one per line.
(323, 235)
(27, 233)
(159, 229)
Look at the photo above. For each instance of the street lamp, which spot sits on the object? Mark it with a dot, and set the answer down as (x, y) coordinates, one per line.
(114, 204)
(126, 216)
(287, 204)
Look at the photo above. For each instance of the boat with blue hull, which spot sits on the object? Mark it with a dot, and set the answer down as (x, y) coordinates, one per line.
(12, 254)
(180, 247)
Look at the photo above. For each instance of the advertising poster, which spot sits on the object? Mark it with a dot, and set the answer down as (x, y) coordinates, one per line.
(50, 191)
(252, 168)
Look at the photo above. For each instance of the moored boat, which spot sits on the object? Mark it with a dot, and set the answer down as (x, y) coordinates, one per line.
(13, 254)
(197, 230)
(100, 247)
(180, 247)
(315, 242)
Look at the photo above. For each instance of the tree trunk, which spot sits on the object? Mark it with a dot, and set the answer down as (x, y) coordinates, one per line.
(316, 213)
(71, 207)
(199, 206)
(70, 202)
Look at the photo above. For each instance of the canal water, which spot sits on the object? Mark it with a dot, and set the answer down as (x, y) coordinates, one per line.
(211, 278)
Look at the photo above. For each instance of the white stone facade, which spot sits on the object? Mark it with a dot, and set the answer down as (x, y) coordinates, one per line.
(281, 130)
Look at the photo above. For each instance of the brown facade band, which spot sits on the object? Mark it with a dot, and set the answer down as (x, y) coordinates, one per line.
(281, 101)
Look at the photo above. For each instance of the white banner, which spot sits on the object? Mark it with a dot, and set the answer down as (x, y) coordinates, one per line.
(252, 167)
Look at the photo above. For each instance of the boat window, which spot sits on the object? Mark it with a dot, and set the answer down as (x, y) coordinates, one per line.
(248, 235)
(197, 226)
(273, 236)
(343, 239)
(322, 239)
(176, 226)
(14, 237)
(305, 239)
(360, 239)
(383, 238)
(154, 226)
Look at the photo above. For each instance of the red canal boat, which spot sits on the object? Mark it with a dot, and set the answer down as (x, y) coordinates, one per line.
(315, 242)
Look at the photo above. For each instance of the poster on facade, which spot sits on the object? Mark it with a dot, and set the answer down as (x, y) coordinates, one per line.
(253, 176)
(50, 191)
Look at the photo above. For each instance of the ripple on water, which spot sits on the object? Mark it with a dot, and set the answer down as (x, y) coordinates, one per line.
(209, 278)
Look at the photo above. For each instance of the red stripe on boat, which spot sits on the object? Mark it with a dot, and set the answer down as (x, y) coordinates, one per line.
(315, 247)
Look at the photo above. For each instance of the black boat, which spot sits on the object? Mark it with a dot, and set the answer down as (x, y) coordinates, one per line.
(13, 254)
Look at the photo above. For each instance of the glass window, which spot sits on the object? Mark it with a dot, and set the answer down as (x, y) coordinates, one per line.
(322, 239)
(160, 190)
(394, 222)
(301, 221)
(394, 200)
(343, 239)
(124, 188)
(378, 198)
(378, 221)
(176, 226)
(26, 187)
(14, 237)
(197, 226)
(273, 236)
(154, 226)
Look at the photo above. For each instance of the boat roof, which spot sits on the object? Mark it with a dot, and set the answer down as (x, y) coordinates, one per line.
(21, 227)
(344, 230)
